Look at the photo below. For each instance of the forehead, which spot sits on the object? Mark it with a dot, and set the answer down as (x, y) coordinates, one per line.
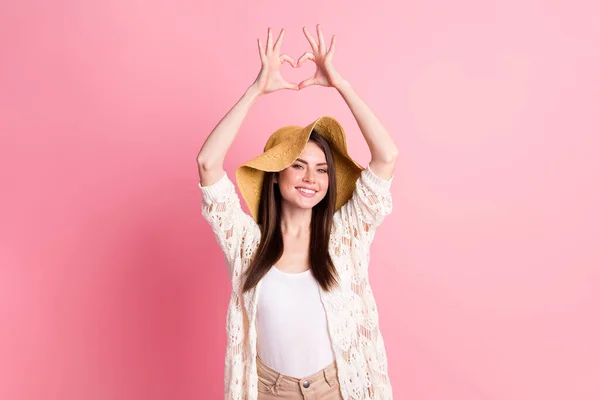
(312, 152)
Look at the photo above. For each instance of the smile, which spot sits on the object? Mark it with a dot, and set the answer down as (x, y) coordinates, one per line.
(306, 192)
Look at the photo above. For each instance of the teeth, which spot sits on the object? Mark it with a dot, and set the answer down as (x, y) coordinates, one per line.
(306, 191)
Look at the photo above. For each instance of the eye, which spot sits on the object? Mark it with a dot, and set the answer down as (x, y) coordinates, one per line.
(323, 170)
(297, 166)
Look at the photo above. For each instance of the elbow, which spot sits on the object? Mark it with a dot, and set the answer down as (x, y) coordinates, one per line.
(200, 160)
(204, 163)
(393, 156)
(389, 157)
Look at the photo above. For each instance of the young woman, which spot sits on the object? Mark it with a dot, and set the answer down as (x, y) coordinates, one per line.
(302, 322)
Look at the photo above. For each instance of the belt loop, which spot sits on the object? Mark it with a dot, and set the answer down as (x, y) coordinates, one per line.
(329, 373)
(277, 384)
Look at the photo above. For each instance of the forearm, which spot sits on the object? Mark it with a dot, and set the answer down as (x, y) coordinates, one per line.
(382, 147)
(216, 145)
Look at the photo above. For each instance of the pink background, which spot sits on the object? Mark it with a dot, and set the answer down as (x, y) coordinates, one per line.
(487, 274)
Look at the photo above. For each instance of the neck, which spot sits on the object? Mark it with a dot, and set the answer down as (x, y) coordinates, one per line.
(295, 222)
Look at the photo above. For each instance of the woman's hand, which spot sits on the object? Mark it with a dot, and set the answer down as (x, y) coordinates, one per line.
(326, 74)
(269, 78)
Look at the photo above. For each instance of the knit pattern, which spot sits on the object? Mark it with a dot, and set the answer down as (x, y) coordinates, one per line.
(353, 320)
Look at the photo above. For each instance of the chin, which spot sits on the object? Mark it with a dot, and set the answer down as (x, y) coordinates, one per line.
(304, 205)
(312, 204)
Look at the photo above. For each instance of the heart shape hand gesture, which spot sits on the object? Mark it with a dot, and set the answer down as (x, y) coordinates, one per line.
(269, 78)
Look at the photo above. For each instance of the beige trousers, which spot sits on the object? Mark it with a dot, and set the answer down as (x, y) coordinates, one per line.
(323, 385)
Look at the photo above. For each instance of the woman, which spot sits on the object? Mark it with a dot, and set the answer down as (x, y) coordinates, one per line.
(302, 322)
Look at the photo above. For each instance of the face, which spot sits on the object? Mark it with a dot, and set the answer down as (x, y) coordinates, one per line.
(304, 184)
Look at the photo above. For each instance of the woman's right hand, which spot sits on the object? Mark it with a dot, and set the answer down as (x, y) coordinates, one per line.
(269, 78)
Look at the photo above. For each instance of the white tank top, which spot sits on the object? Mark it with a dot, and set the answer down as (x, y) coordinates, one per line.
(293, 338)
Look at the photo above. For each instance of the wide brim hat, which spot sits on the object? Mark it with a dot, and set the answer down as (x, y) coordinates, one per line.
(283, 148)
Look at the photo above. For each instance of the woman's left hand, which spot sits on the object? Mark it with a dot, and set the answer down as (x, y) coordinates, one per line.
(326, 74)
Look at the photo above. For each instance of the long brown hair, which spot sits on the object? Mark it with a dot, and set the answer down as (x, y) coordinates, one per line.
(270, 248)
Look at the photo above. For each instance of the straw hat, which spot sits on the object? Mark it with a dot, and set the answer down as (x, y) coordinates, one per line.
(283, 148)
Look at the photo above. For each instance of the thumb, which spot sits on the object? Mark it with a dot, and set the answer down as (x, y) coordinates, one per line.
(307, 82)
(291, 86)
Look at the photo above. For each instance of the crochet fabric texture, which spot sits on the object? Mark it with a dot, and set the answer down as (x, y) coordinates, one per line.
(352, 315)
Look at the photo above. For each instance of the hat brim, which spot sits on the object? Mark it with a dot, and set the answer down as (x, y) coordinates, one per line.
(283, 148)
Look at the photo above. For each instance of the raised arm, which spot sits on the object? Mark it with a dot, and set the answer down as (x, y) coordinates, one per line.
(212, 154)
(383, 149)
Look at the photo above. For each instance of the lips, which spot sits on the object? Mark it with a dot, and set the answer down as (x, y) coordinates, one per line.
(306, 192)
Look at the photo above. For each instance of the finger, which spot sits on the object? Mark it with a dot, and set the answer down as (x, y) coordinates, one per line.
(306, 56)
(269, 40)
(332, 47)
(320, 36)
(261, 50)
(312, 42)
(307, 82)
(284, 57)
(291, 86)
(279, 41)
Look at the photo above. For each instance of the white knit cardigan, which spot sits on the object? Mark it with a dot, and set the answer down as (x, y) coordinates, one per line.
(353, 320)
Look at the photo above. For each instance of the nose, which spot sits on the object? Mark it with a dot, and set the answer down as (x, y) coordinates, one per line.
(308, 176)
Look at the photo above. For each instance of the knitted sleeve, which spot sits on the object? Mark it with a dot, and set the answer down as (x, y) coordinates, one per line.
(370, 203)
(232, 227)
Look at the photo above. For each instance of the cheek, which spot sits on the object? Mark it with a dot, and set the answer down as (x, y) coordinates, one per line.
(289, 177)
(324, 183)
(289, 181)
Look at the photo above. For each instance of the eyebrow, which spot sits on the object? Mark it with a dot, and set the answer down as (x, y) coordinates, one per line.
(304, 162)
